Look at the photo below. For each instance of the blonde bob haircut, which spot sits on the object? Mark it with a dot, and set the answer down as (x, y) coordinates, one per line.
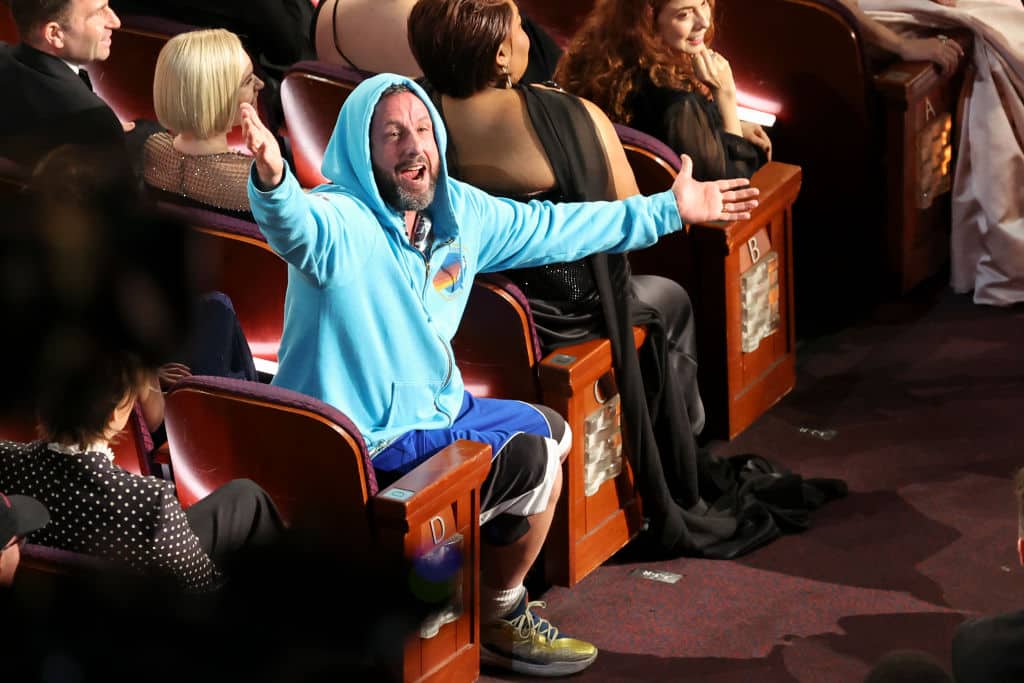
(197, 81)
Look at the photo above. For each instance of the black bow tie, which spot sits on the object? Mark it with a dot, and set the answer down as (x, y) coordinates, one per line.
(84, 75)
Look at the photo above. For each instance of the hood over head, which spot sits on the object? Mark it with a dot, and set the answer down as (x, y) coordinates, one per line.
(347, 160)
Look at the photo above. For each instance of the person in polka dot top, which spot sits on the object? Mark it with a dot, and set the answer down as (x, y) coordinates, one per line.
(97, 508)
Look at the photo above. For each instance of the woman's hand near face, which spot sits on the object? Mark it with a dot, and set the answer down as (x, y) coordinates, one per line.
(714, 71)
(755, 134)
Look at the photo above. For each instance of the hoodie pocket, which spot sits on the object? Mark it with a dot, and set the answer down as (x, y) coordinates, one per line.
(412, 404)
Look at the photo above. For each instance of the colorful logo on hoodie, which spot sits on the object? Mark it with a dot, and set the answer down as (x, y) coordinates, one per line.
(448, 278)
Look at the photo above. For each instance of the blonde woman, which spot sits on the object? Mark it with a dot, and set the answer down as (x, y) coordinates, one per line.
(201, 79)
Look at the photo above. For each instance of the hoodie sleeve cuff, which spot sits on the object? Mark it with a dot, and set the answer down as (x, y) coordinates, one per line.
(254, 181)
(666, 212)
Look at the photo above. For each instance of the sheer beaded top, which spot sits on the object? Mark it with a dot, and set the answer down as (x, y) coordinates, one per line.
(218, 180)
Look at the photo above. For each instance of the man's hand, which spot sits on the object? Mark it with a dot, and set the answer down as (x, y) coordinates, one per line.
(754, 134)
(263, 145)
(716, 200)
(945, 52)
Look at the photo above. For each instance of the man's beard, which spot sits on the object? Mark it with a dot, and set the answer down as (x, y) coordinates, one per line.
(400, 199)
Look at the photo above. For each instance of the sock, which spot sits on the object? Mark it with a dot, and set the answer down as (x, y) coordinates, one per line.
(495, 604)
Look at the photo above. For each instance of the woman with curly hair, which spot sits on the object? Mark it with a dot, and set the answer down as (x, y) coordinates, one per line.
(648, 65)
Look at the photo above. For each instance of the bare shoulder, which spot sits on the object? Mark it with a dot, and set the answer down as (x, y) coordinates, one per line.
(601, 121)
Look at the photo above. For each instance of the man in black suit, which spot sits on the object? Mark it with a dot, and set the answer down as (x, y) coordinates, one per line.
(991, 649)
(48, 100)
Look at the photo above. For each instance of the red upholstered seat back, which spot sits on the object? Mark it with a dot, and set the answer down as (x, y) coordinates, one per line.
(131, 447)
(311, 96)
(496, 347)
(125, 79)
(306, 454)
(8, 31)
(234, 258)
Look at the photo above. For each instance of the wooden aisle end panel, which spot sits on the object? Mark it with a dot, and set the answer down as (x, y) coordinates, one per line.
(429, 514)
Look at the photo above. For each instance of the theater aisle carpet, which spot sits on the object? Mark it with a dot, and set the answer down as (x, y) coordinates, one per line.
(924, 404)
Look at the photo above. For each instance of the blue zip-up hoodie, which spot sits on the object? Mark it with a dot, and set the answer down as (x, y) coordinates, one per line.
(368, 320)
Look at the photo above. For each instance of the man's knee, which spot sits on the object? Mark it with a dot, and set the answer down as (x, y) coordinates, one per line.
(556, 488)
(525, 480)
(560, 430)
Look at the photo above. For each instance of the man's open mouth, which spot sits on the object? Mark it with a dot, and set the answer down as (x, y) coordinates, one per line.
(415, 172)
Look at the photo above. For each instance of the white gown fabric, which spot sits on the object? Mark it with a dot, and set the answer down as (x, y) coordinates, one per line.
(987, 248)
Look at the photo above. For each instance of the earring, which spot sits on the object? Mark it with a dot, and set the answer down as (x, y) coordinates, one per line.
(507, 75)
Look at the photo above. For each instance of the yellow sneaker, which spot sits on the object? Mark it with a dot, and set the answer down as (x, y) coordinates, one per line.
(523, 642)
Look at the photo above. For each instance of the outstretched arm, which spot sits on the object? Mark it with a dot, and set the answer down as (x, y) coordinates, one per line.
(716, 200)
(943, 52)
(520, 234)
(311, 234)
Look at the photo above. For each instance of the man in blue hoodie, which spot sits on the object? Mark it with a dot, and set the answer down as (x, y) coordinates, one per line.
(380, 266)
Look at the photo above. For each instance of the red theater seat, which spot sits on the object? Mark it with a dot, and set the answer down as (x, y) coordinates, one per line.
(131, 447)
(125, 79)
(311, 96)
(313, 462)
(8, 31)
(233, 257)
(499, 355)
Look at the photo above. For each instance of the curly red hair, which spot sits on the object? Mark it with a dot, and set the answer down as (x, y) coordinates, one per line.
(617, 45)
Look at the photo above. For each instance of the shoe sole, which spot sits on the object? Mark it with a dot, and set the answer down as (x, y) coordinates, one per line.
(544, 670)
(432, 627)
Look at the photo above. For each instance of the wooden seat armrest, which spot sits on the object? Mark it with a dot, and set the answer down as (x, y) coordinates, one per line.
(435, 483)
(910, 81)
(567, 369)
(779, 184)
